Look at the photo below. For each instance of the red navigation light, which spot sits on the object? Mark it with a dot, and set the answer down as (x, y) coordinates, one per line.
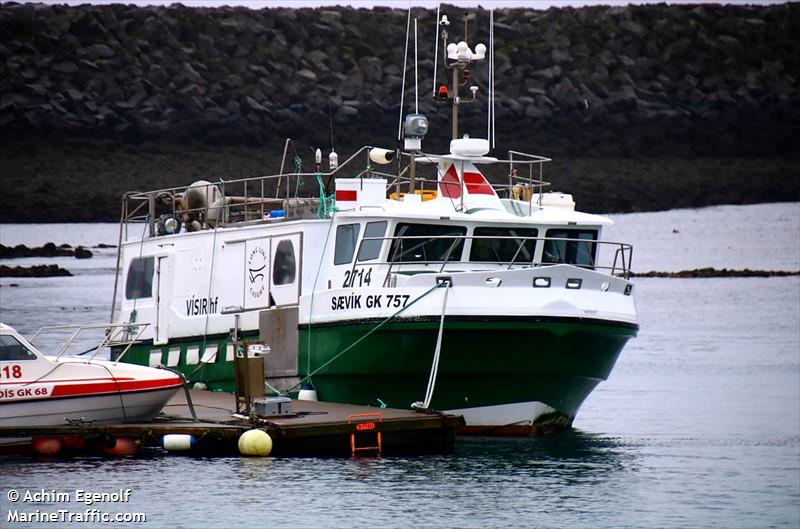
(442, 92)
(467, 74)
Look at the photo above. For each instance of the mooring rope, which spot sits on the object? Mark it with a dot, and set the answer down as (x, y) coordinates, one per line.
(119, 391)
(436, 354)
(362, 338)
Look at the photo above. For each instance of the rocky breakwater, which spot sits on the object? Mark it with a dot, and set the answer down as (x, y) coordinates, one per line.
(608, 81)
(48, 250)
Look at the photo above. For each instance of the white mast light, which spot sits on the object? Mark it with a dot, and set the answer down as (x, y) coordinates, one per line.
(462, 52)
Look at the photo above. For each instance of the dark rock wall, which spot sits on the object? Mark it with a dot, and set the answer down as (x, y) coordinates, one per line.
(607, 81)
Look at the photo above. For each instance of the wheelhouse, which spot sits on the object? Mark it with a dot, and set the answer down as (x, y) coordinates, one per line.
(409, 241)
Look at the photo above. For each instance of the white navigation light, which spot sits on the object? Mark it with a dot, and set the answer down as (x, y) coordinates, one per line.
(333, 160)
(444, 21)
(464, 52)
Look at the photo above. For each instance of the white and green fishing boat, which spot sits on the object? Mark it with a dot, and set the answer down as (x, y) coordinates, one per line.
(408, 280)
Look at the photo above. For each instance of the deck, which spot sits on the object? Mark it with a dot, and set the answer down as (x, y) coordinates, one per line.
(313, 429)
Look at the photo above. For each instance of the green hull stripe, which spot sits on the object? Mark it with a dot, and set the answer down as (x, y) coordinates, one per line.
(218, 375)
(481, 363)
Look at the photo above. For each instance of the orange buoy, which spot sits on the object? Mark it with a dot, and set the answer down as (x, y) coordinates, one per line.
(74, 443)
(120, 446)
(46, 446)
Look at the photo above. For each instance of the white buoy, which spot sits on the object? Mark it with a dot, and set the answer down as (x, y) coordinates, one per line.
(255, 443)
(178, 442)
(307, 392)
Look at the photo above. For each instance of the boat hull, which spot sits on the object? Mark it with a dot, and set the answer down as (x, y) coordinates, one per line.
(108, 408)
(507, 376)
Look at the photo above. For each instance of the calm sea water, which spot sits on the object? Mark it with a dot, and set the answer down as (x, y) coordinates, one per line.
(698, 425)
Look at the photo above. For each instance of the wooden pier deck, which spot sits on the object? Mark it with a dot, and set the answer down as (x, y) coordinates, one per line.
(313, 428)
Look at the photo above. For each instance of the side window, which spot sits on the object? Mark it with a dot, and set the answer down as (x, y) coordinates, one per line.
(372, 249)
(427, 243)
(140, 278)
(579, 250)
(12, 350)
(488, 247)
(346, 237)
(284, 265)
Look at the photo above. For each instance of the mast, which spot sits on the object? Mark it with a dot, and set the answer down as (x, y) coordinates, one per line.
(458, 58)
(456, 71)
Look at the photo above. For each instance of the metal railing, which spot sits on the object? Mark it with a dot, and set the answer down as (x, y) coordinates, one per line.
(620, 262)
(241, 200)
(520, 187)
(251, 199)
(116, 335)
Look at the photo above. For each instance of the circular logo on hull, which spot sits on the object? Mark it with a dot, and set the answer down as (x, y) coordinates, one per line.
(256, 271)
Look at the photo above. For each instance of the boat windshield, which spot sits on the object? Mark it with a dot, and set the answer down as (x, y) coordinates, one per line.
(488, 248)
(575, 247)
(427, 243)
(12, 350)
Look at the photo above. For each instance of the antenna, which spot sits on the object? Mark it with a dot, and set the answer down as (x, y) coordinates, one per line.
(416, 74)
(330, 120)
(491, 76)
(436, 52)
(491, 69)
(405, 65)
(333, 158)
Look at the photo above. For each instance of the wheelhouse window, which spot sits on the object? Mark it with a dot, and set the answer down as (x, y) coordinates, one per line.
(489, 245)
(284, 267)
(12, 350)
(427, 243)
(346, 237)
(578, 250)
(140, 278)
(370, 250)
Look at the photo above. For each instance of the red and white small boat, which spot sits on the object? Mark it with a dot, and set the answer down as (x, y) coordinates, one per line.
(40, 390)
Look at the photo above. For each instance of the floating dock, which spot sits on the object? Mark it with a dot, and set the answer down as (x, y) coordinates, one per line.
(309, 429)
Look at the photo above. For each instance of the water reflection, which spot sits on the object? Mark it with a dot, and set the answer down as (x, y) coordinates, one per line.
(571, 455)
